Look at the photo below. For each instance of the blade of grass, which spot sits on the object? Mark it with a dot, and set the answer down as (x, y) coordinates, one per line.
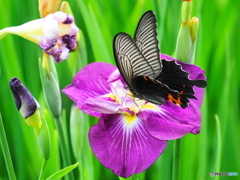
(97, 40)
(203, 143)
(6, 152)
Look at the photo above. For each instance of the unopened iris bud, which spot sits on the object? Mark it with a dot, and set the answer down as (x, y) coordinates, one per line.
(48, 6)
(186, 43)
(50, 85)
(26, 103)
(193, 26)
(55, 34)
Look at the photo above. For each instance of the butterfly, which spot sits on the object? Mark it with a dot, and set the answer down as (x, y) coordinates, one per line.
(147, 76)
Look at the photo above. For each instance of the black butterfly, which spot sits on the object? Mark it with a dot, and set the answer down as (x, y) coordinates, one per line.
(147, 76)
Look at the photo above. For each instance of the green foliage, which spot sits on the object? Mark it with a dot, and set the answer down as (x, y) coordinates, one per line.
(62, 172)
(217, 52)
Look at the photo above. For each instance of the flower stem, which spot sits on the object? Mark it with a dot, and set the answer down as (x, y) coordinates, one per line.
(6, 152)
(43, 169)
(176, 160)
(65, 152)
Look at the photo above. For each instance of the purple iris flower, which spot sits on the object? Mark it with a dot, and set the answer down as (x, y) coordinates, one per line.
(131, 133)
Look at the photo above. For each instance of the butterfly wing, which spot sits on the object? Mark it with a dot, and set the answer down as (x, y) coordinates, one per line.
(178, 79)
(178, 82)
(130, 60)
(147, 42)
(156, 92)
(172, 84)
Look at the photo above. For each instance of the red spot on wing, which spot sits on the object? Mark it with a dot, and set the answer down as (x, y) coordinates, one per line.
(176, 100)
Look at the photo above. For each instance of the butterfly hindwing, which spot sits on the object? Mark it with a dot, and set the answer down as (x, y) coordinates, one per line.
(177, 79)
(157, 92)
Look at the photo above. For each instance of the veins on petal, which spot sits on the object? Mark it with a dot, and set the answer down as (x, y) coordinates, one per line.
(165, 115)
(117, 126)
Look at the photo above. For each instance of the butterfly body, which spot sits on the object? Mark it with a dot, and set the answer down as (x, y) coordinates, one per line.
(140, 82)
(148, 77)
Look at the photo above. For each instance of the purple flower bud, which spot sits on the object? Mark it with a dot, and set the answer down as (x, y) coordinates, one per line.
(25, 102)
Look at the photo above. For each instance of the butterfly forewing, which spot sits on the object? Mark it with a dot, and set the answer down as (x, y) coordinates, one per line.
(129, 59)
(146, 41)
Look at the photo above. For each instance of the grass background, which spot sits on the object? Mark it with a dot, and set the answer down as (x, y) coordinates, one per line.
(216, 148)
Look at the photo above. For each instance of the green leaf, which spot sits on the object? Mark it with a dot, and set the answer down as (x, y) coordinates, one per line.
(59, 174)
(95, 33)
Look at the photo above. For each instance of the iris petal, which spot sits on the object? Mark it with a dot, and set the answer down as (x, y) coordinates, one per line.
(101, 105)
(90, 82)
(126, 149)
(172, 122)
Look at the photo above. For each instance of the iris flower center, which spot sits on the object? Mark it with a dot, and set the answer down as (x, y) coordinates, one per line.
(130, 105)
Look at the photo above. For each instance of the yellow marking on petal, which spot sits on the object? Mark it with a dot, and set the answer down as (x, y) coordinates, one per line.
(149, 106)
(134, 110)
(112, 97)
(127, 114)
(130, 94)
(129, 119)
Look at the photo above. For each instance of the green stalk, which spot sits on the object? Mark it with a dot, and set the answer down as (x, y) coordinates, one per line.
(219, 146)
(176, 159)
(43, 169)
(50, 84)
(6, 152)
(65, 152)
